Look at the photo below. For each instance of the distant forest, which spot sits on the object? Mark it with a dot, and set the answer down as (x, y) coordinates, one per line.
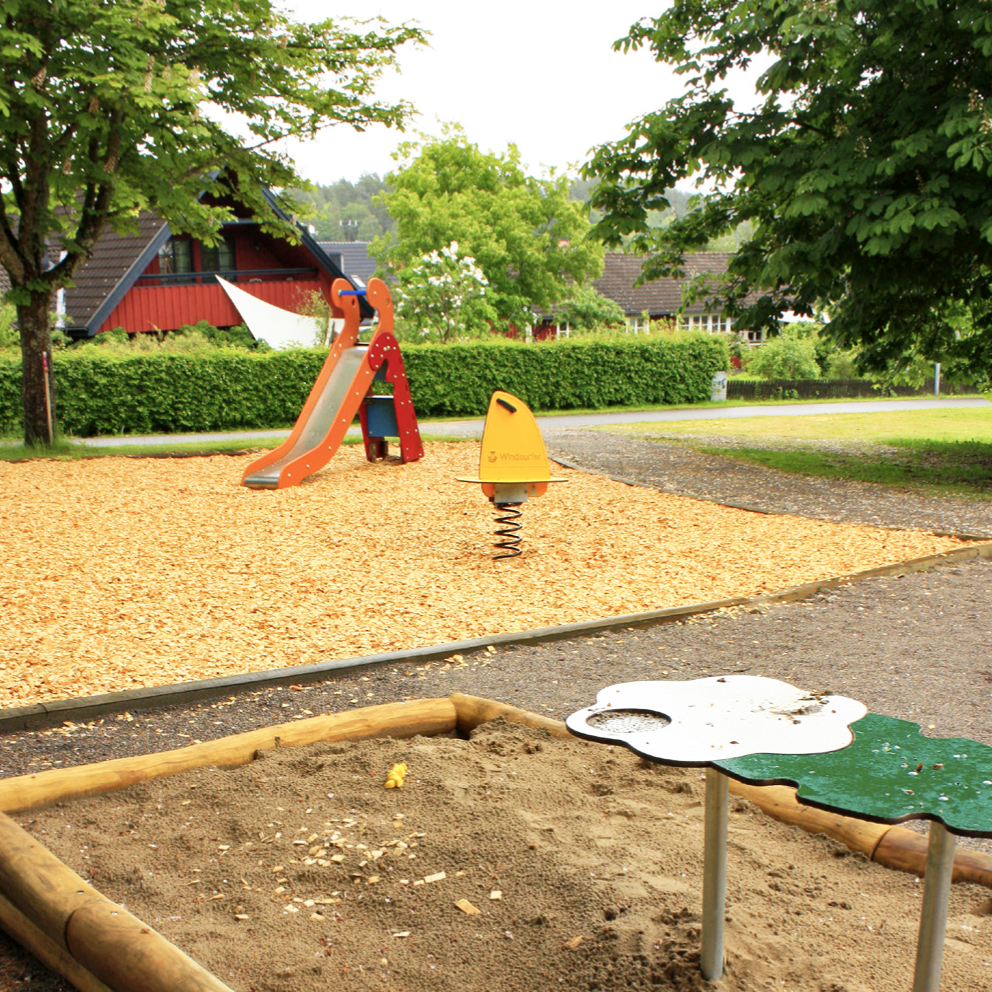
(346, 211)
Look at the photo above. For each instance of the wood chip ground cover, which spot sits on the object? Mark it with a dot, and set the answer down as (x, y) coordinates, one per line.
(120, 573)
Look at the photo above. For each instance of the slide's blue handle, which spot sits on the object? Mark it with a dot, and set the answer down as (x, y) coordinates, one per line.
(352, 292)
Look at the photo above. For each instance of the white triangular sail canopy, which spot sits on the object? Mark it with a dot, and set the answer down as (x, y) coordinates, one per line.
(279, 328)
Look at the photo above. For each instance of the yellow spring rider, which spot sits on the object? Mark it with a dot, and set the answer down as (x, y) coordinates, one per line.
(513, 465)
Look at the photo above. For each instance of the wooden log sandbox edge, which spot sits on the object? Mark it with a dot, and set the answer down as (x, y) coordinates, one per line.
(99, 947)
(419, 716)
(53, 956)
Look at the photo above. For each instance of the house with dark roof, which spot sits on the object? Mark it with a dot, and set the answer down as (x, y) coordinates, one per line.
(663, 298)
(352, 258)
(154, 280)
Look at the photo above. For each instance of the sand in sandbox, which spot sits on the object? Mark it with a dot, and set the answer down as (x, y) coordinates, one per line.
(300, 871)
(121, 573)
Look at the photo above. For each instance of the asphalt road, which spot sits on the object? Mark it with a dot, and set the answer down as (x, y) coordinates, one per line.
(461, 428)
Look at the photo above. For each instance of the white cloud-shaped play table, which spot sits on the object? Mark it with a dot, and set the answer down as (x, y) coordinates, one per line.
(704, 720)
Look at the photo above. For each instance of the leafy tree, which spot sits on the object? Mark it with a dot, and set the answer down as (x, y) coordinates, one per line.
(8, 325)
(444, 297)
(526, 235)
(586, 308)
(109, 108)
(865, 168)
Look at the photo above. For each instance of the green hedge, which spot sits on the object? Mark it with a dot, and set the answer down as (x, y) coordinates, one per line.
(231, 389)
(457, 380)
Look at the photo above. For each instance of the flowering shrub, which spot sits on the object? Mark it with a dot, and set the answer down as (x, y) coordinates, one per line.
(443, 297)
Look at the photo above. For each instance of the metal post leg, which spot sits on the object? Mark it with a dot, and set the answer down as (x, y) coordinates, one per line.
(714, 875)
(933, 917)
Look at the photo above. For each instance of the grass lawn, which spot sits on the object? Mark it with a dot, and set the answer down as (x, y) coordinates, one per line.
(946, 451)
(14, 451)
(891, 427)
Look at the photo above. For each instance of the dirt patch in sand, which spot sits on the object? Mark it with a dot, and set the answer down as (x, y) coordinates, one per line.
(121, 573)
(583, 862)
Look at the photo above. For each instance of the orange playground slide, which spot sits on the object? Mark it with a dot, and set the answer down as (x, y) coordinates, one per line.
(344, 382)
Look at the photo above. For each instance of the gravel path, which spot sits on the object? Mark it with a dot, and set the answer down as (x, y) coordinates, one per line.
(678, 469)
(916, 647)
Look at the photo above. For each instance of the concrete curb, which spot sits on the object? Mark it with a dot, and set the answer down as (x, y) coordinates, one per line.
(57, 712)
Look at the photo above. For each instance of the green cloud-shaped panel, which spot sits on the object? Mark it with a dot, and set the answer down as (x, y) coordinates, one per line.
(889, 773)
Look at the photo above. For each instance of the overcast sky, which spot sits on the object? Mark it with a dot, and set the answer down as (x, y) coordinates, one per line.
(535, 74)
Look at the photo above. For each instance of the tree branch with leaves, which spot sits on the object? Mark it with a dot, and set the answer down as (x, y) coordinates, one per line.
(108, 109)
(864, 171)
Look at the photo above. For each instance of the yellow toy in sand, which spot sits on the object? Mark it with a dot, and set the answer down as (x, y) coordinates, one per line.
(394, 780)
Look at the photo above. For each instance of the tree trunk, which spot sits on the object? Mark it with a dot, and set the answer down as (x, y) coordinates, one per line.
(38, 389)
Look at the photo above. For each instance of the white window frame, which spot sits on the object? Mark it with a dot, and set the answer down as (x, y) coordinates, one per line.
(709, 323)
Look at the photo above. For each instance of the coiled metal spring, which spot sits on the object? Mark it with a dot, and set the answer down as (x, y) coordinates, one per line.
(507, 516)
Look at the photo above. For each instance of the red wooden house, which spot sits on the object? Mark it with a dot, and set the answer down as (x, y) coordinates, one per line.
(152, 280)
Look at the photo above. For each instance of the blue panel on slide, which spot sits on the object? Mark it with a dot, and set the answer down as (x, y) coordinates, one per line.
(382, 417)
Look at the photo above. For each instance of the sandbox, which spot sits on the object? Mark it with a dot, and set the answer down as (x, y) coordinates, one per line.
(128, 573)
(513, 857)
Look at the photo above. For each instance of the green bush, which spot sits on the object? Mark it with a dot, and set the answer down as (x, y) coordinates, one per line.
(11, 403)
(842, 365)
(100, 391)
(202, 336)
(457, 380)
(785, 357)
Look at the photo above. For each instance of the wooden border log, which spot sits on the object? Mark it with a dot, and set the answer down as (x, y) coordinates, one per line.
(131, 957)
(53, 956)
(75, 921)
(419, 716)
(906, 850)
(780, 802)
(473, 711)
(37, 884)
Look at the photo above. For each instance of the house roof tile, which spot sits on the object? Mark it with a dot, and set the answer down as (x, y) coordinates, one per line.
(661, 297)
(352, 257)
(114, 255)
